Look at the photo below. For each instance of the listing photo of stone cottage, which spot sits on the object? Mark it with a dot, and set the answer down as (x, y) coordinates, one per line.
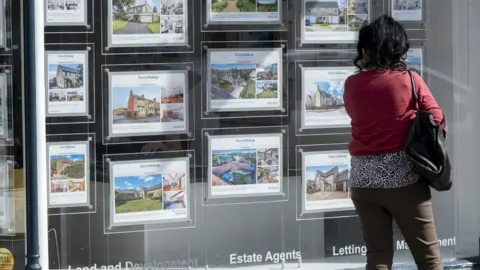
(327, 182)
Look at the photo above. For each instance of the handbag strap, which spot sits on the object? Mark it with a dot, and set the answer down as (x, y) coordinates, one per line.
(415, 99)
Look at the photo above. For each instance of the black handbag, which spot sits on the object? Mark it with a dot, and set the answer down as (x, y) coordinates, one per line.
(426, 147)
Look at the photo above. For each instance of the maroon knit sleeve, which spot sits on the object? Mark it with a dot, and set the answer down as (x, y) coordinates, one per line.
(426, 101)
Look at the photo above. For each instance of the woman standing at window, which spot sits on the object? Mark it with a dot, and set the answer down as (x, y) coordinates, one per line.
(384, 186)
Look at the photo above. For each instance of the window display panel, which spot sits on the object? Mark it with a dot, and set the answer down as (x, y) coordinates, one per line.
(148, 23)
(66, 12)
(7, 198)
(244, 81)
(245, 165)
(151, 190)
(149, 102)
(69, 83)
(6, 115)
(71, 174)
(415, 60)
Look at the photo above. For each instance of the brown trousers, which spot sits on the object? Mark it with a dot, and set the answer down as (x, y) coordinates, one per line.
(411, 209)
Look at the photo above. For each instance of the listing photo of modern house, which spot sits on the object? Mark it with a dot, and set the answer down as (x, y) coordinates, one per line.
(267, 89)
(172, 7)
(325, 97)
(245, 5)
(136, 104)
(65, 76)
(135, 17)
(326, 182)
(234, 167)
(174, 181)
(233, 81)
(268, 156)
(268, 175)
(135, 194)
(407, 4)
(335, 15)
(174, 200)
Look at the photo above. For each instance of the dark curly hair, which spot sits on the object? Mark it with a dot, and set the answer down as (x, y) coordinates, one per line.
(385, 44)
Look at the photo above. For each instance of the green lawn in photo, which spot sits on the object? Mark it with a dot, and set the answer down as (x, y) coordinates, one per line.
(218, 5)
(248, 91)
(141, 205)
(247, 5)
(267, 95)
(118, 25)
(267, 8)
(154, 27)
(322, 25)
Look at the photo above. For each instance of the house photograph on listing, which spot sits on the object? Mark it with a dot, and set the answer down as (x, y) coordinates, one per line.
(321, 15)
(327, 182)
(63, 76)
(142, 17)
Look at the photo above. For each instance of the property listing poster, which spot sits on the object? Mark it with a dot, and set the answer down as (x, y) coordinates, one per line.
(66, 12)
(245, 79)
(333, 21)
(4, 198)
(147, 103)
(243, 11)
(67, 83)
(3, 22)
(3, 105)
(69, 174)
(407, 10)
(148, 191)
(147, 23)
(325, 181)
(322, 97)
(415, 60)
(245, 165)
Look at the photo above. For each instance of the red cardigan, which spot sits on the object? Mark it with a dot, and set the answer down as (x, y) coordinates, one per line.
(381, 109)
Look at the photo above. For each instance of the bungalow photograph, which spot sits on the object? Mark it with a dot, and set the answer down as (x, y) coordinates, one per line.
(140, 17)
(134, 194)
(65, 76)
(326, 182)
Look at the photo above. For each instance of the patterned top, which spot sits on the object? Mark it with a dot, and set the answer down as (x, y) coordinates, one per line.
(392, 170)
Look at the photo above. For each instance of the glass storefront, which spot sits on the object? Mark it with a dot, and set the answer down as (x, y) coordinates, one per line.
(185, 134)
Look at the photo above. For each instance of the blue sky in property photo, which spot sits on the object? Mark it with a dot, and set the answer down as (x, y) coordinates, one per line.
(341, 3)
(73, 157)
(312, 170)
(121, 94)
(52, 69)
(137, 182)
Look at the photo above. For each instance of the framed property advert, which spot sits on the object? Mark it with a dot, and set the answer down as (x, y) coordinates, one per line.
(67, 83)
(407, 10)
(142, 103)
(245, 165)
(3, 25)
(415, 60)
(322, 97)
(69, 174)
(147, 23)
(65, 12)
(149, 191)
(325, 181)
(243, 11)
(4, 121)
(335, 21)
(7, 205)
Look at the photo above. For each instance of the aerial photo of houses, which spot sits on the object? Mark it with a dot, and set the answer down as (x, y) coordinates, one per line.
(67, 173)
(65, 76)
(174, 200)
(335, 15)
(233, 81)
(136, 17)
(324, 97)
(234, 167)
(267, 89)
(407, 4)
(135, 194)
(136, 104)
(268, 175)
(244, 5)
(327, 182)
(267, 156)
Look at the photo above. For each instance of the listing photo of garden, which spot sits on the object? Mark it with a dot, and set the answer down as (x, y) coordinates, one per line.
(245, 5)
